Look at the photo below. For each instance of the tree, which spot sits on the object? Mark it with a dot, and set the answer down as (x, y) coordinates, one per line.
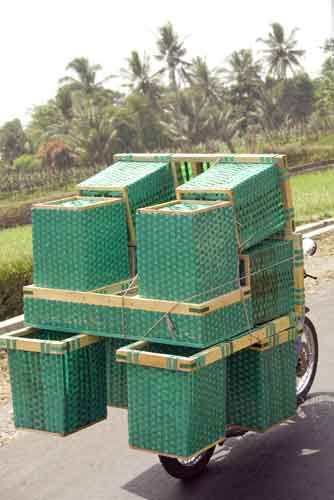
(187, 121)
(85, 76)
(172, 52)
(281, 54)
(297, 98)
(205, 80)
(224, 125)
(92, 136)
(245, 85)
(12, 141)
(139, 77)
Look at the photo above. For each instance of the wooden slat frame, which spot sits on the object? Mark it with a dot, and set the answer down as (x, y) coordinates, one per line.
(53, 205)
(135, 352)
(57, 347)
(136, 302)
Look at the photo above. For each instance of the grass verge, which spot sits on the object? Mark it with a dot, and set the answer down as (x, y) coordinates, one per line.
(15, 269)
(313, 196)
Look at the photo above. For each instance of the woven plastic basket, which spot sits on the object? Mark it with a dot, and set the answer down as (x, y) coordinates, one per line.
(139, 183)
(254, 188)
(117, 387)
(187, 251)
(58, 380)
(272, 281)
(79, 243)
(262, 383)
(177, 399)
(200, 325)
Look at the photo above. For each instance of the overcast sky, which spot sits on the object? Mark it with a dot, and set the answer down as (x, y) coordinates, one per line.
(39, 37)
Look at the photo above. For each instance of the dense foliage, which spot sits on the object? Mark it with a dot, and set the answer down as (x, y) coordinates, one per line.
(170, 101)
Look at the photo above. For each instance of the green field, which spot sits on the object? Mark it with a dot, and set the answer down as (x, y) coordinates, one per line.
(15, 248)
(313, 196)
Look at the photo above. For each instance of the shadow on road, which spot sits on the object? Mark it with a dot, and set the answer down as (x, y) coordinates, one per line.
(292, 461)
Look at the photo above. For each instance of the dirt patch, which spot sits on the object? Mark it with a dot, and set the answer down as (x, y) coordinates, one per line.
(321, 265)
(4, 379)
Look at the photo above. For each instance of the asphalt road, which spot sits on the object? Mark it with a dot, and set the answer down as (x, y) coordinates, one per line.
(293, 461)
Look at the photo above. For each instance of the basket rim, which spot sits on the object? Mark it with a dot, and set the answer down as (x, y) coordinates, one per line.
(209, 206)
(54, 204)
(13, 341)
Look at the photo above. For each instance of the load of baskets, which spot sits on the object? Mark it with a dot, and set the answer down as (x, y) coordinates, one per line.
(171, 285)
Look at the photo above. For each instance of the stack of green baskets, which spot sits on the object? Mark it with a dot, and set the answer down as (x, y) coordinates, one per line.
(272, 286)
(262, 383)
(256, 192)
(79, 243)
(147, 182)
(187, 251)
(58, 380)
(176, 398)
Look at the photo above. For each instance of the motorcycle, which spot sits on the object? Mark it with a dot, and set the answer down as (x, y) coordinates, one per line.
(306, 368)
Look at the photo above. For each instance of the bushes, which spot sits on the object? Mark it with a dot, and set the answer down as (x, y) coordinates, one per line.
(299, 154)
(11, 284)
(15, 269)
(27, 162)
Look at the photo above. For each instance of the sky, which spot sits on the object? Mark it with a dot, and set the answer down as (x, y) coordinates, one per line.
(39, 37)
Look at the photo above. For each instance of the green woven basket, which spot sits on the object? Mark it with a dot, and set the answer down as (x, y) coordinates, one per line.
(187, 251)
(256, 192)
(177, 329)
(174, 409)
(262, 383)
(58, 380)
(271, 269)
(146, 182)
(79, 243)
(117, 386)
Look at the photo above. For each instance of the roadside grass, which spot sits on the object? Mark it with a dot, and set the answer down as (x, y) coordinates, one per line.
(15, 269)
(15, 248)
(313, 196)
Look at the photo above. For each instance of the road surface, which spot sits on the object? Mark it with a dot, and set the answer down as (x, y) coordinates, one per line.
(293, 461)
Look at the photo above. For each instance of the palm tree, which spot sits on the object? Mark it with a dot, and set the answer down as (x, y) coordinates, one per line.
(245, 85)
(225, 125)
(139, 77)
(172, 51)
(186, 121)
(281, 54)
(205, 80)
(85, 76)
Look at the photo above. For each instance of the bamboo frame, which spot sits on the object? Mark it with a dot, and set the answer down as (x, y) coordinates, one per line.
(54, 204)
(136, 302)
(135, 354)
(157, 208)
(14, 341)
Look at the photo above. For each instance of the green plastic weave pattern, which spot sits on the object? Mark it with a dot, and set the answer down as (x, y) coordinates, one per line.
(256, 193)
(271, 268)
(80, 250)
(147, 183)
(187, 257)
(176, 413)
(117, 386)
(262, 386)
(58, 393)
(175, 329)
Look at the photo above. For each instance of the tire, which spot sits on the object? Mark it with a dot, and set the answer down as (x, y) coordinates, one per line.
(303, 386)
(187, 471)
